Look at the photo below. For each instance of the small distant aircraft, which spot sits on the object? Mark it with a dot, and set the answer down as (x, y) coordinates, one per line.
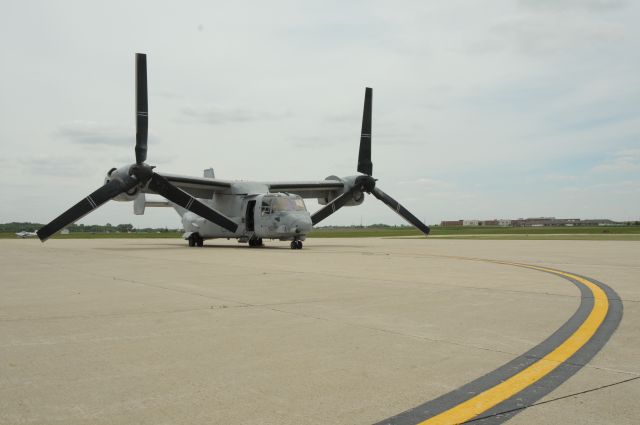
(244, 210)
(24, 234)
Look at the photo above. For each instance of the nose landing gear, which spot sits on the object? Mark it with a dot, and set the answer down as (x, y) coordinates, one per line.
(297, 244)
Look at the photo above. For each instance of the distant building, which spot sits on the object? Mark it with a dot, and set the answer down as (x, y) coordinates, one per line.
(64, 232)
(534, 222)
(599, 222)
(493, 222)
(451, 223)
(539, 221)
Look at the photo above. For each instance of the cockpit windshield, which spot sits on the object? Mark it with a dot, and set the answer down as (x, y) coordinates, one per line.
(273, 204)
(289, 203)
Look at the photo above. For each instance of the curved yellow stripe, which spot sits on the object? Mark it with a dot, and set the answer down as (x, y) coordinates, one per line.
(518, 382)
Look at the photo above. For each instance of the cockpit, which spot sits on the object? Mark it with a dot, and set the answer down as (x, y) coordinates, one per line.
(275, 203)
(281, 216)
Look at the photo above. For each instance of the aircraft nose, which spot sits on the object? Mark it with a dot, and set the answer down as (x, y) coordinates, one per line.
(304, 225)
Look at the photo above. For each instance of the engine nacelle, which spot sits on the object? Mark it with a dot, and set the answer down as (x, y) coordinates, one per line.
(358, 196)
(116, 173)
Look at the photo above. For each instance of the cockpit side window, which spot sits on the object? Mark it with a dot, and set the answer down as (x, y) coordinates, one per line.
(300, 205)
(265, 208)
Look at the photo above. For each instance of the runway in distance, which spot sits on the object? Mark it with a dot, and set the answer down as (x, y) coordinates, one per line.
(245, 210)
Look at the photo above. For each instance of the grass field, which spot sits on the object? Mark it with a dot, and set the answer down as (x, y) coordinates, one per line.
(623, 233)
(545, 237)
(491, 232)
(89, 235)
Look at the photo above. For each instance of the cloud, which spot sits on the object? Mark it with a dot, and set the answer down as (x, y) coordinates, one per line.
(314, 142)
(627, 160)
(427, 183)
(167, 94)
(620, 188)
(559, 178)
(434, 189)
(68, 167)
(592, 6)
(341, 118)
(215, 115)
(551, 34)
(94, 133)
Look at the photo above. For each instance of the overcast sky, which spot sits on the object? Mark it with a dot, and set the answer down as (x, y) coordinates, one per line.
(493, 109)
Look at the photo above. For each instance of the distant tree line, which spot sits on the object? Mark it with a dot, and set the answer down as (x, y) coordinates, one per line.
(89, 228)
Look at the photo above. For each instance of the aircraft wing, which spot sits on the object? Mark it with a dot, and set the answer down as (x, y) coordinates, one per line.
(205, 187)
(308, 189)
(198, 187)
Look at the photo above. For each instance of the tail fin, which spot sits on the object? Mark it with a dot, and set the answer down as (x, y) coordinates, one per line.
(140, 203)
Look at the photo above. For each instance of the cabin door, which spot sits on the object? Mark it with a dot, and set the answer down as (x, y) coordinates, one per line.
(249, 217)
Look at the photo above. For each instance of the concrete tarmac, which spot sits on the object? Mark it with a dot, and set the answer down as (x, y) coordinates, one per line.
(344, 331)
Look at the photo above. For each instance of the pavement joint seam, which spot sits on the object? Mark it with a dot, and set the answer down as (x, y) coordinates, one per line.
(482, 418)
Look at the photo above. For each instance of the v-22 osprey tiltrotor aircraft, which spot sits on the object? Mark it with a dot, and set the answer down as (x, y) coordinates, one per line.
(214, 208)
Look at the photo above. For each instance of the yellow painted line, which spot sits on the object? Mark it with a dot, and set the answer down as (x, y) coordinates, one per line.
(518, 382)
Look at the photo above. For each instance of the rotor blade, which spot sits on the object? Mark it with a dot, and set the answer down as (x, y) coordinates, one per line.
(178, 196)
(88, 204)
(400, 210)
(142, 108)
(364, 157)
(332, 207)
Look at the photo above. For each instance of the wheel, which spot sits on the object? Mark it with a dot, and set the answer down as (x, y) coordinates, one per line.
(299, 244)
(294, 245)
(192, 241)
(259, 242)
(200, 242)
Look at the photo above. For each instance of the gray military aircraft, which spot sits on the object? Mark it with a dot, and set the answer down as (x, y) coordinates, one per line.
(24, 234)
(214, 208)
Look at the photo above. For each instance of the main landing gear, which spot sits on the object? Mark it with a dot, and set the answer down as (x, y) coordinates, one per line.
(296, 244)
(195, 240)
(253, 242)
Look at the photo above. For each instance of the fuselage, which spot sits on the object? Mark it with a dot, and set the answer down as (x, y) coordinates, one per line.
(282, 216)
